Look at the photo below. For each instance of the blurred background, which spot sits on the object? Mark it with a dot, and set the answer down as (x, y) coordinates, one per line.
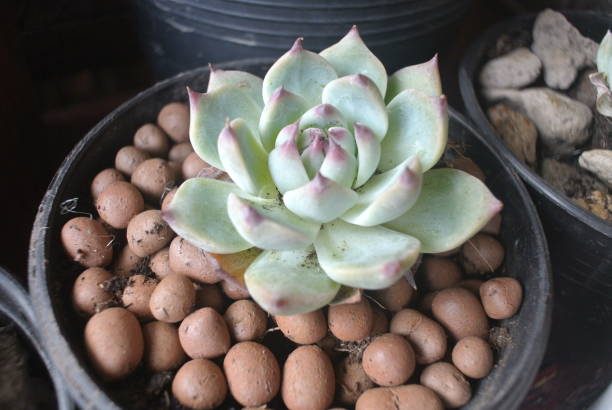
(65, 64)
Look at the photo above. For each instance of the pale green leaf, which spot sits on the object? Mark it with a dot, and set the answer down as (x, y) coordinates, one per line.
(453, 207)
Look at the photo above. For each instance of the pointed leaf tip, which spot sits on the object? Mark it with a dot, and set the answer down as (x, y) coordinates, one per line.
(297, 45)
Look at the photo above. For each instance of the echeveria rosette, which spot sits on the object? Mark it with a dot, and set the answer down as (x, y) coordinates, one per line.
(601, 79)
(331, 167)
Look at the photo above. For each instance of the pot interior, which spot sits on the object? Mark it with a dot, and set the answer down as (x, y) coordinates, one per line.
(52, 273)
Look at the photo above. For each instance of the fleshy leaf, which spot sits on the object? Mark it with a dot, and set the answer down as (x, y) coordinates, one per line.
(246, 81)
(344, 138)
(351, 56)
(244, 159)
(388, 195)
(232, 266)
(339, 165)
(289, 282)
(322, 116)
(283, 108)
(320, 200)
(453, 207)
(367, 258)
(314, 155)
(604, 94)
(418, 125)
(198, 213)
(604, 55)
(424, 77)
(309, 135)
(368, 153)
(359, 100)
(300, 71)
(286, 133)
(346, 294)
(209, 113)
(267, 224)
(286, 165)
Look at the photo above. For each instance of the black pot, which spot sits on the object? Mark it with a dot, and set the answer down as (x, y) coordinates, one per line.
(51, 274)
(580, 243)
(15, 307)
(399, 32)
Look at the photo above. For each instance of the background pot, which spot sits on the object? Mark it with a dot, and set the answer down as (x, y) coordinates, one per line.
(399, 32)
(15, 308)
(51, 273)
(580, 243)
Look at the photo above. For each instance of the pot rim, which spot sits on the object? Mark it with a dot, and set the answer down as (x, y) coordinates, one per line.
(468, 67)
(88, 393)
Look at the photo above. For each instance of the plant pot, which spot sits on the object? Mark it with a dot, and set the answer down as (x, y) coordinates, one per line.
(15, 307)
(399, 32)
(51, 273)
(580, 243)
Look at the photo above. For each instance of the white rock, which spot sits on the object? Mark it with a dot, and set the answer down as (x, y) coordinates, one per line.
(599, 162)
(562, 123)
(516, 69)
(561, 48)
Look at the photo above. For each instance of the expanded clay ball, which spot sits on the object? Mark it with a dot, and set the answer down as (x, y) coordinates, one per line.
(473, 285)
(129, 158)
(103, 179)
(152, 177)
(426, 336)
(87, 242)
(410, 396)
(118, 203)
(234, 291)
(253, 373)
(501, 297)
(114, 343)
(473, 357)
(350, 322)
(192, 165)
(493, 227)
(426, 302)
(168, 198)
(126, 262)
(246, 321)
(172, 298)
(88, 293)
(179, 152)
(308, 379)
(351, 380)
(396, 296)
(160, 263)
(191, 261)
(438, 273)
(461, 313)
(200, 384)
(204, 334)
(137, 295)
(482, 254)
(209, 296)
(467, 165)
(147, 233)
(152, 139)
(304, 329)
(163, 350)
(380, 321)
(448, 382)
(389, 360)
(174, 119)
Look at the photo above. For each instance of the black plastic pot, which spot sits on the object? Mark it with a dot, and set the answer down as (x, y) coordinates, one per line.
(52, 274)
(399, 32)
(580, 243)
(15, 306)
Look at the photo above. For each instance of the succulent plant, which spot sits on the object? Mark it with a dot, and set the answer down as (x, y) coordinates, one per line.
(601, 79)
(331, 163)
